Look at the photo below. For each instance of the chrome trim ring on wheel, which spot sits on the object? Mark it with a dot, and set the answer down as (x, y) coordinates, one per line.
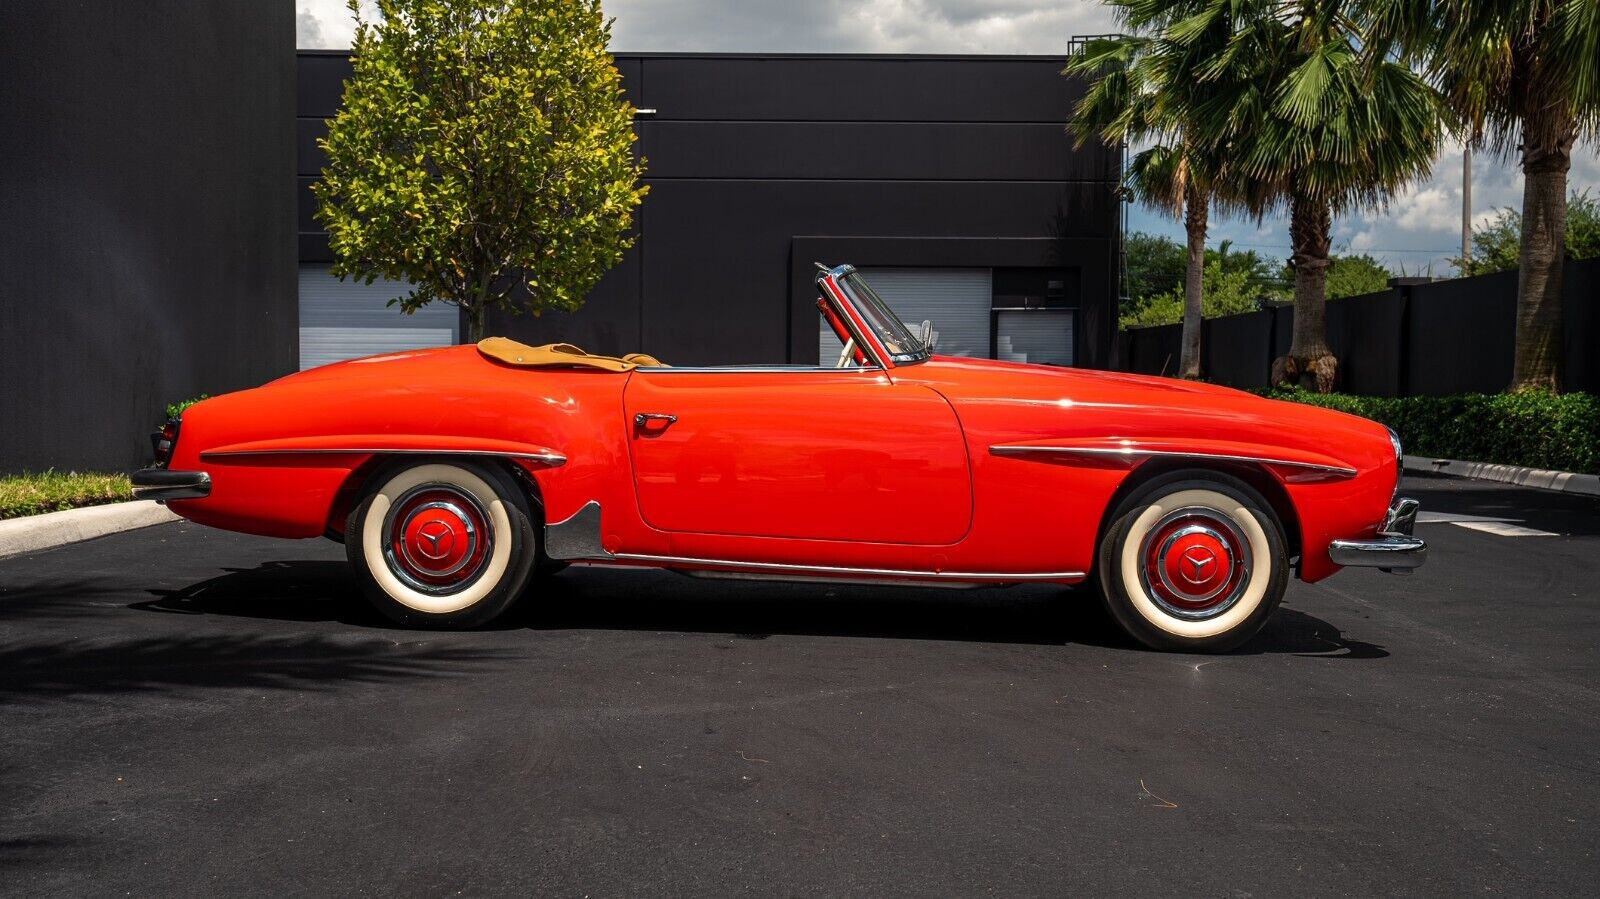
(436, 538)
(1194, 563)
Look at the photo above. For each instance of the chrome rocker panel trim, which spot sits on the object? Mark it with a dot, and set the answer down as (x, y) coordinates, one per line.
(1133, 452)
(832, 572)
(161, 484)
(1393, 550)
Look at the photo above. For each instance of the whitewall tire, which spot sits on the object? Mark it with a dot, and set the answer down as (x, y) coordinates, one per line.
(1193, 561)
(447, 545)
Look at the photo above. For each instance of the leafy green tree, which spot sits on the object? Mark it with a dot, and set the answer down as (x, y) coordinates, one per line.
(483, 153)
(1155, 265)
(1352, 276)
(1497, 243)
(1522, 76)
(1227, 292)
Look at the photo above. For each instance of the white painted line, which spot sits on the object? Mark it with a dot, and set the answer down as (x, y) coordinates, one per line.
(1501, 529)
(1455, 517)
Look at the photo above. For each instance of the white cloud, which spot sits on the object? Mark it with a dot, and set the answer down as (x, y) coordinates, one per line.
(810, 26)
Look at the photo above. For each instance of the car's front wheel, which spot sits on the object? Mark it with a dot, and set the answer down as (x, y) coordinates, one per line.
(444, 545)
(1193, 561)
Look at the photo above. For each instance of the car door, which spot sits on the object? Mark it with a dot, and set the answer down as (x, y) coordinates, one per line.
(813, 454)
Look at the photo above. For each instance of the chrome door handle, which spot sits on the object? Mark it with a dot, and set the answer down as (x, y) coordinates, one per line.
(643, 419)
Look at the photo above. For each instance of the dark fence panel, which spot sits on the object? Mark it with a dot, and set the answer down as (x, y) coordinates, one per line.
(1461, 335)
(1235, 349)
(1580, 307)
(1417, 339)
(1365, 333)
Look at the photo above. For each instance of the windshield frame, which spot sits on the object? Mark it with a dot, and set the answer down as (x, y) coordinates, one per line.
(901, 346)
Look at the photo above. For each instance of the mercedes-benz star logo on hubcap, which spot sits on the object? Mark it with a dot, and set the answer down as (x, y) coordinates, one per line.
(434, 539)
(1197, 562)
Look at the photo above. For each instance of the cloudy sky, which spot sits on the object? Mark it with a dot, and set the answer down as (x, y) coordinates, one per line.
(1419, 230)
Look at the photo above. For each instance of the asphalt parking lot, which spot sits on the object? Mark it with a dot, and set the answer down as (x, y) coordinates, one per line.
(189, 711)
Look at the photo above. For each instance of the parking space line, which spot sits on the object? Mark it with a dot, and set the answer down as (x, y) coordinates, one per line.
(1502, 529)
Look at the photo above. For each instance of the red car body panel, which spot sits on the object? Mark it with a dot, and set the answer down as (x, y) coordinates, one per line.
(889, 471)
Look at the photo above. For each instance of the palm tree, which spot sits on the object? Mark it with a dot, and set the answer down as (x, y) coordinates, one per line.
(1130, 100)
(1326, 126)
(1523, 75)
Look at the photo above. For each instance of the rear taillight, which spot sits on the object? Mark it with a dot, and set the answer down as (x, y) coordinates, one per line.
(164, 439)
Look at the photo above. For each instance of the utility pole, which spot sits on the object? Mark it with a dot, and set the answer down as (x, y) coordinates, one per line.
(1466, 207)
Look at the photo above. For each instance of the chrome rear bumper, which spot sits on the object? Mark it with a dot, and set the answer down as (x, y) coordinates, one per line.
(162, 484)
(1393, 549)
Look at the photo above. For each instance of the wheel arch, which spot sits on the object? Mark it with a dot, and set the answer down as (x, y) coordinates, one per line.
(1257, 476)
(349, 493)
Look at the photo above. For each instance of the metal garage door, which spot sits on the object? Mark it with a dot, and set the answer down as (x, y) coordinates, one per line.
(346, 319)
(956, 300)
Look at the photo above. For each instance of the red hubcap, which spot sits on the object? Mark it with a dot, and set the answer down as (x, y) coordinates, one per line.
(438, 538)
(1195, 561)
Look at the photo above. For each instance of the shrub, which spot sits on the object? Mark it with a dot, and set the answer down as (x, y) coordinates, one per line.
(176, 409)
(1529, 427)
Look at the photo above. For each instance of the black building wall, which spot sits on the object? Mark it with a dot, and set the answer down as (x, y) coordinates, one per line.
(760, 164)
(146, 237)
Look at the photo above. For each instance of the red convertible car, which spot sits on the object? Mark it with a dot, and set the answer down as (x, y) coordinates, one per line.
(455, 477)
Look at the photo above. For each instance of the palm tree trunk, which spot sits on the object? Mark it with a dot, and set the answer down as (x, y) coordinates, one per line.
(1546, 158)
(1196, 213)
(1310, 363)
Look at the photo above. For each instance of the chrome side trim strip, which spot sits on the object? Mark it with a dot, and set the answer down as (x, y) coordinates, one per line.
(1133, 452)
(576, 537)
(832, 570)
(554, 460)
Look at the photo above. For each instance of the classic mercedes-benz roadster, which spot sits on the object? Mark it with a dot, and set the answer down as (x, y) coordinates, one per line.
(457, 477)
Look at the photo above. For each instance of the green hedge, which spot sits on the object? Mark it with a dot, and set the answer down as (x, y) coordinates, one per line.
(1530, 427)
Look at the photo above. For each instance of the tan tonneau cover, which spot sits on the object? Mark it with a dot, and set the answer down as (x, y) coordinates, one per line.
(558, 355)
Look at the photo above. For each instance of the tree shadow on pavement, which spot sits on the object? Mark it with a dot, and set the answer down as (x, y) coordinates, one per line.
(306, 591)
(78, 667)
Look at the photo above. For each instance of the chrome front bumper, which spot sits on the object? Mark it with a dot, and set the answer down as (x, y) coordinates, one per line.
(1393, 549)
(162, 484)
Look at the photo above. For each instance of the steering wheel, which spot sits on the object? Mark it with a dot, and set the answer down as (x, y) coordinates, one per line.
(846, 353)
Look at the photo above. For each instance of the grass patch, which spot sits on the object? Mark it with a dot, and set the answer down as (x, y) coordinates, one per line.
(53, 491)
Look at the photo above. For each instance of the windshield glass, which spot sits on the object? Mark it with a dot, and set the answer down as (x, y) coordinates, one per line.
(890, 331)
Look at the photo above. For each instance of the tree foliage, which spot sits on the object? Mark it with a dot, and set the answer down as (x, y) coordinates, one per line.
(1497, 243)
(1523, 77)
(483, 153)
(1352, 276)
(1227, 291)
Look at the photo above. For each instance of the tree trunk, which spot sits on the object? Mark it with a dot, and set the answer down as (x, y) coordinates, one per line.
(475, 322)
(1310, 363)
(1546, 157)
(1195, 216)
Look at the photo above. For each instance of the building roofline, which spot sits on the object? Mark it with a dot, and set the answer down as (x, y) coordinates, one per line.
(885, 57)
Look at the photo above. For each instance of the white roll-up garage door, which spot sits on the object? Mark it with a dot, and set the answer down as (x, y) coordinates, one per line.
(956, 300)
(346, 319)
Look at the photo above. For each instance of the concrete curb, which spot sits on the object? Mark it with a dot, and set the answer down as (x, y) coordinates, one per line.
(1561, 481)
(36, 532)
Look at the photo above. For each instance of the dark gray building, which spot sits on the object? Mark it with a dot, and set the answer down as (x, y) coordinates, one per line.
(949, 180)
(147, 248)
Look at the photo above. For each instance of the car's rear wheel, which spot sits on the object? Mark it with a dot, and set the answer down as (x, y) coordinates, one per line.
(1193, 562)
(444, 545)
